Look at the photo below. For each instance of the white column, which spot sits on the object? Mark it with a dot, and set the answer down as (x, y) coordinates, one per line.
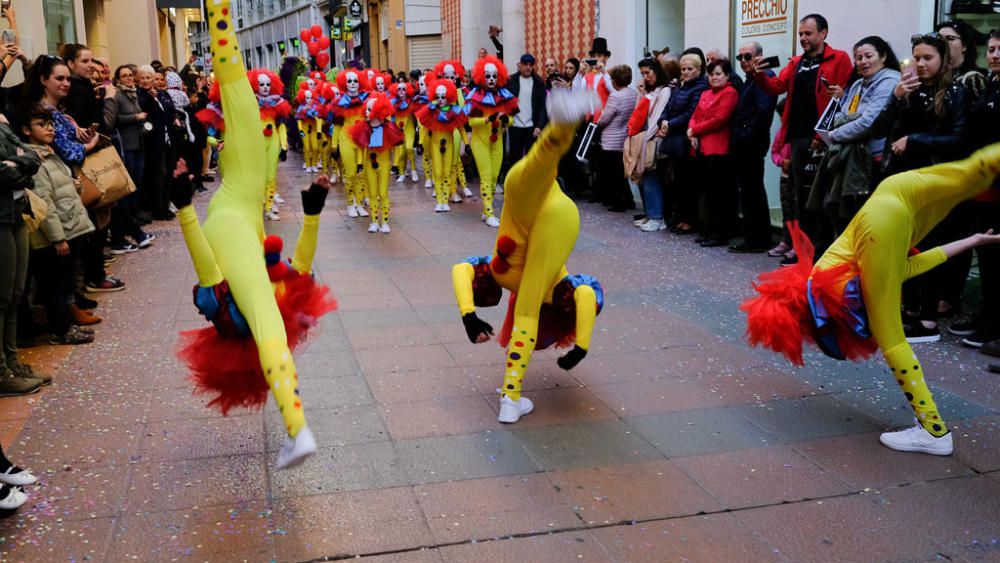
(477, 17)
(513, 36)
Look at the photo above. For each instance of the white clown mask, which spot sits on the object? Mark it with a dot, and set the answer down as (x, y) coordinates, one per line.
(491, 74)
(449, 71)
(422, 82)
(353, 83)
(309, 96)
(401, 91)
(264, 85)
(380, 83)
(368, 108)
(311, 83)
(441, 95)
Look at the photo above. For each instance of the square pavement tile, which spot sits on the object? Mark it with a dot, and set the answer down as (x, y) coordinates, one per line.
(422, 385)
(348, 524)
(808, 418)
(208, 437)
(440, 417)
(961, 516)
(586, 444)
(569, 405)
(45, 447)
(471, 456)
(624, 493)
(619, 368)
(635, 398)
(331, 392)
(172, 485)
(719, 537)
(180, 403)
(851, 528)
(348, 468)
(754, 384)
(367, 338)
(976, 443)
(63, 411)
(697, 432)
(565, 547)
(332, 427)
(77, 493)
(317, 363)
(491, 508)
(863, 462)
(761, 476)
(69, 540)
(234, 532)
(411, 358)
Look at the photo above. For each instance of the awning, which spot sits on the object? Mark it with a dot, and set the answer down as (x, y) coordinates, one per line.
(196, 4)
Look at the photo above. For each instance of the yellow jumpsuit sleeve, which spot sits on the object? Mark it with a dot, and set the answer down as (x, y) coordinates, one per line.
(201, 253)
(282, 136)
(461, 278)
(305, 248)
(586, 314)
(928, 260)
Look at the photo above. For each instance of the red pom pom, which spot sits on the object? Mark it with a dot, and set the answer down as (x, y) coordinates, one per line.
(499, 265)
(268, 131)
(273, 244)
(505, 245)
(493, 138)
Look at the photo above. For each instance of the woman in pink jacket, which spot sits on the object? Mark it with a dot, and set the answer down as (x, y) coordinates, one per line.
(709, 133)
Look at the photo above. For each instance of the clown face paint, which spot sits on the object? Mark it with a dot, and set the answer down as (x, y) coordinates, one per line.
(309, 96)
(423, 85)
(353, 84)
(311, 83)
(380, 84)
(441, 95)
(491, 74)
(264, 85)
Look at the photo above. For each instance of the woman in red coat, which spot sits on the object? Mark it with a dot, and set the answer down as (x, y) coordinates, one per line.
(709, 133)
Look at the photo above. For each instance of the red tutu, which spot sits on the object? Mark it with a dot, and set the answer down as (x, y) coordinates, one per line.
(555, 326)
(229, 368)
(361, 134)
(428, 118)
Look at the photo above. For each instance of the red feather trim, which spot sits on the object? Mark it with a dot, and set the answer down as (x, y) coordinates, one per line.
(211, 119)
(229, 370)
(428, 118)
(361, 134)
(280, 111)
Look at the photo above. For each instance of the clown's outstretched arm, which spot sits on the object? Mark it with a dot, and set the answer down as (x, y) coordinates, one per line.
(586, 314)
(928, 260)
(462, 276)
(201, 253)
(313, 200)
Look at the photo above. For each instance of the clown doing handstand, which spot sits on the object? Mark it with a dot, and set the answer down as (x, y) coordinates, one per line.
(260, 310)
(490, 104)
(848, 304)
(538, 229)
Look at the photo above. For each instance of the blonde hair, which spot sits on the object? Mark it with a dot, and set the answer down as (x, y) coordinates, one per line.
(692, 59)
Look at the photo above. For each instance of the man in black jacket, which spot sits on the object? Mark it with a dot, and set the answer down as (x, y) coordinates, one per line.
(531, 117)
(749, 143)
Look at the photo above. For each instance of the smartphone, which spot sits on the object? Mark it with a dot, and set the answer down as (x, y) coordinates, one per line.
(3, 6)
(772, 62)
(8, 36)
(906, 68)
(93, 128)
(591, 62)
(824, 81)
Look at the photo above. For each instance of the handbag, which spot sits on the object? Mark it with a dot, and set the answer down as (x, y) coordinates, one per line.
(106, 172)
(38, 210)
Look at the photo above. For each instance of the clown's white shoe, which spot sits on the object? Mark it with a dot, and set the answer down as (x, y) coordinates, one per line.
(295, 450)
(511, 411)
(493, 222)
(362, 212)
(373, 228)
(352, 211)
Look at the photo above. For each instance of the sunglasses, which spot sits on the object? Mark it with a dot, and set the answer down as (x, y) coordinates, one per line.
(933, 37)
(745, 57)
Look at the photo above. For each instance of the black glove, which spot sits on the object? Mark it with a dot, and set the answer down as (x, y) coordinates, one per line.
(313, 199)
(505, 120)
(335, 154)
(361, 168)
(468, 128)
(283, 155)
(569, 360)
(474, 326)
(419, 149)
(181, 191)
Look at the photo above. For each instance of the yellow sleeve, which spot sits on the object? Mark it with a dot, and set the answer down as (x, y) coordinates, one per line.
(282, 136)
(201, 253)
(461, 278)
(925, 261)
(319, 128)
(478, 121)
(305, 248)
(586, 314)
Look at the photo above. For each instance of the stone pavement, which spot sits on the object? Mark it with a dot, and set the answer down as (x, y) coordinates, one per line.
(671, 441)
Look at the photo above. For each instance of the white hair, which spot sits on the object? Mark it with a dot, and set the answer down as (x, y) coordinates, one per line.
(146, 68)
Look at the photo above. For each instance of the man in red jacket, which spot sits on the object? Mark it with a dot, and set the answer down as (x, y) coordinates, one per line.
(808, 80)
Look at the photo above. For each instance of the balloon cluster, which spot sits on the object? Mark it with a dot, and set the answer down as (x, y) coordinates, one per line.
(317, 43)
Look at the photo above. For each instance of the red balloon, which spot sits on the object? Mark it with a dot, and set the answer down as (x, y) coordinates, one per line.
(317, 31)
(313, 48)
(304, 34)
(324, 42)
(323, 59)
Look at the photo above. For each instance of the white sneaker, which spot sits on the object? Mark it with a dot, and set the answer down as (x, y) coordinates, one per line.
(438, 208)
(445, 207)
(304, 167)
(511, 411)
(917, 439)
(334, 178)
(499, 189)
(493, 222)
(455, 198)
(414, 177)
(352, 211)
(362, 212)
(385, 228)
(640, 222)
(365, 201)
(17, 476)
(401, 179)
(278, 199)
(429, 183)
(653, 225)
(373, 228)
(272, 215)
(15, 498)
(467, 192)
(483, 217)
(295, 450)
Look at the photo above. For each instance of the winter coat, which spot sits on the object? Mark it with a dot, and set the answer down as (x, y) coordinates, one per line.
(984, 125)
(845, 171)
(677, 114)
(67, 218)
(14, 178)
(712, 120)
(539, 117)
(875, 93)
(752, 120)
(929, 139)
(124, 111)
(614, 119)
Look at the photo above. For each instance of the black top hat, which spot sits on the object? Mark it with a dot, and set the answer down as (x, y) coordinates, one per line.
(600, 47)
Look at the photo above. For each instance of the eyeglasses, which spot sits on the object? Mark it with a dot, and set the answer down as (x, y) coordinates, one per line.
(952, 38)
(932, 37)
(745, 57)
(44, 124)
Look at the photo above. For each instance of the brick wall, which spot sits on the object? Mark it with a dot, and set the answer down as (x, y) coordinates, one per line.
(559, 28)
(451, 27)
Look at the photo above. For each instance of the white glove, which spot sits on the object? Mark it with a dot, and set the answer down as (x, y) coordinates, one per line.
(571, 106)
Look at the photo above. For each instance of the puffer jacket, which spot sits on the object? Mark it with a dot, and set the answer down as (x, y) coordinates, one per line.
(67, 218)
(677, 114)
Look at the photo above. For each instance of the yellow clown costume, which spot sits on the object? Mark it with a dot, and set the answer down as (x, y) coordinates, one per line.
(441, 118)
(273, 111)
(848, 304)
(255, 303)
(538, 229)
(490, 106)
(345, 111)
(401, 96)
(420, 101)
(377, 136)
(309, 118)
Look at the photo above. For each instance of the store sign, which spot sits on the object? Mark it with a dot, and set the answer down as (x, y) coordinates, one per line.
(768, 22)
(355, 9)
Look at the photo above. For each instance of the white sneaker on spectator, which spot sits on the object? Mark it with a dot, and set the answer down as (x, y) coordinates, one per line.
(12, 498)
(414, 177)
(467, 192)
(17, 476)
(917, 439)
(272, 215)
(429, 183)
(278, 199)
(123, 248)
(779, 250)
(352, 211)
(385, 228)
(493, 222)
(640, 222)
(147, 240)
(511, 411)
(653, 225)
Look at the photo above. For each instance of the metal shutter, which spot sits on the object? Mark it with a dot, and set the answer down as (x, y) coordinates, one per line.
(425, 51)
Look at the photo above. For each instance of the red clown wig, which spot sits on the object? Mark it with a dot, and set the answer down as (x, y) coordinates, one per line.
(451, 93)
(381, 107)
(479, 71)
(300, 98)
(394, 89)
(457, 65)
(363, 86)
(277, 86)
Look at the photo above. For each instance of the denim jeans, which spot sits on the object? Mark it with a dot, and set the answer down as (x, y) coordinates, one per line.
(652, 194)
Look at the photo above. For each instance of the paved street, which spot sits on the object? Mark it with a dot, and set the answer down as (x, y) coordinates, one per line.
(671, 441)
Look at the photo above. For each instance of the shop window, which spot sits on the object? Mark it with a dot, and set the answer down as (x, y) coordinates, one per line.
(60, 23)
(984, 15)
